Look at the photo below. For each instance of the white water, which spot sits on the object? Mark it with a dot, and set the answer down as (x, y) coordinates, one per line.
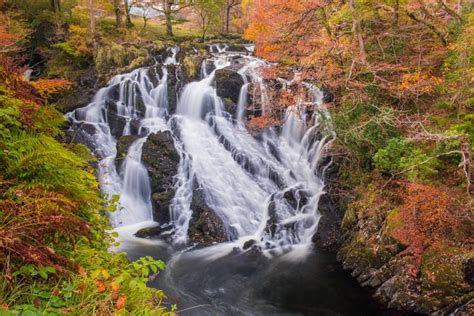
(246, 180)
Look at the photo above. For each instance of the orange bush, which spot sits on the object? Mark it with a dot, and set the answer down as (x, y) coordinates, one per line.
(33, 219)
(48, 87)
(428, 215)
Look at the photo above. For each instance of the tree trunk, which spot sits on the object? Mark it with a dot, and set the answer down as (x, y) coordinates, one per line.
(92, 24)
(56, 5)
(118, 14)
(431, 26)
(227, 18)
(169, 24)
(324, 17)
(397, 14)
(357, 31)
(128, 20)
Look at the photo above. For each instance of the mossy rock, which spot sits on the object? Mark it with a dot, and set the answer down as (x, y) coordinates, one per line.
(161, 160)
(228, 85)
(113, 58)
(442, 272)
(124, 143)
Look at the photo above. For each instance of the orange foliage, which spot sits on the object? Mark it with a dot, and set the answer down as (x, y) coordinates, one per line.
(120, 304)
(259, 122)
(7, 39)
(100, 286)
(319, 37)
(48, 87)
(33, 93)
(426, 216)
(49, 216)
(11, 76)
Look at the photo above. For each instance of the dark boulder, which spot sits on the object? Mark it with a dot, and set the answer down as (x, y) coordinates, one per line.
(116, 122)
(328, 234)
(81, 93)
(228, 85)
(161, 160)
(174, 86)
(238, 48)
(249, 243)
(164, 232)
(123, 145)
(328, 96)
(205, 227)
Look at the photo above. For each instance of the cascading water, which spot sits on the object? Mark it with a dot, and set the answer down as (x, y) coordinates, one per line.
(264, 188)
(123, 96)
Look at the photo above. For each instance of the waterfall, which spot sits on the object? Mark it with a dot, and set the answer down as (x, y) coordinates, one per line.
(264, 187)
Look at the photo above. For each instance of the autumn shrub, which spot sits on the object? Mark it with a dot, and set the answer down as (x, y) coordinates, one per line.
(428, 217)
(54, 248)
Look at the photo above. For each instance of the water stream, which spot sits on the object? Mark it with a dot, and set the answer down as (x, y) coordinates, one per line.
(264, 186)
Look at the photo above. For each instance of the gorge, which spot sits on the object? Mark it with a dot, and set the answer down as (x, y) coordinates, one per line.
(201, 189)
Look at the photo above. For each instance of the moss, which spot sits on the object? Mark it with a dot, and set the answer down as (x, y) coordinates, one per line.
(392, 221)
(357, 253)
(114, 58)
(189, 66)
(442, 272)
(350, 219)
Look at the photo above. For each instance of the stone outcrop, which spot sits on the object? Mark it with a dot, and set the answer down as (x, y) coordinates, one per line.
(328, 234)
(123, 145)
(161, 160)
(423, 280)
(205, 227)
(228, 85)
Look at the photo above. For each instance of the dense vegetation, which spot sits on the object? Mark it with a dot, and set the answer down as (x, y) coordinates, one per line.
(401, 73)
(54, 248)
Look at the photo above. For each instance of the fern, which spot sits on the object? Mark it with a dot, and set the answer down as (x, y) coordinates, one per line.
(41, 161)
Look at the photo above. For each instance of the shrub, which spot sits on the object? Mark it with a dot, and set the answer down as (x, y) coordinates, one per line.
(401, 157)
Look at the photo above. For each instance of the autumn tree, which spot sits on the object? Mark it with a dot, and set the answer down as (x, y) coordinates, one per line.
(169, 8)
(208, 14)
(228, 7)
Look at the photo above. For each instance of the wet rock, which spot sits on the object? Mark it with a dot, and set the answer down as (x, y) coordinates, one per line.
(296, 198)
(205, 227)
(328, 95)
(191, 67)
(173, 88)
(228, 85)
(149, 232)
(81, 134)
(469, 272)
(116, 122)
(80, 94)
(249, 243)
(240, 48)
(161, 160)
(164, 232)
(210, 67)
(123, 145)
(466, 309)
(328, 234)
